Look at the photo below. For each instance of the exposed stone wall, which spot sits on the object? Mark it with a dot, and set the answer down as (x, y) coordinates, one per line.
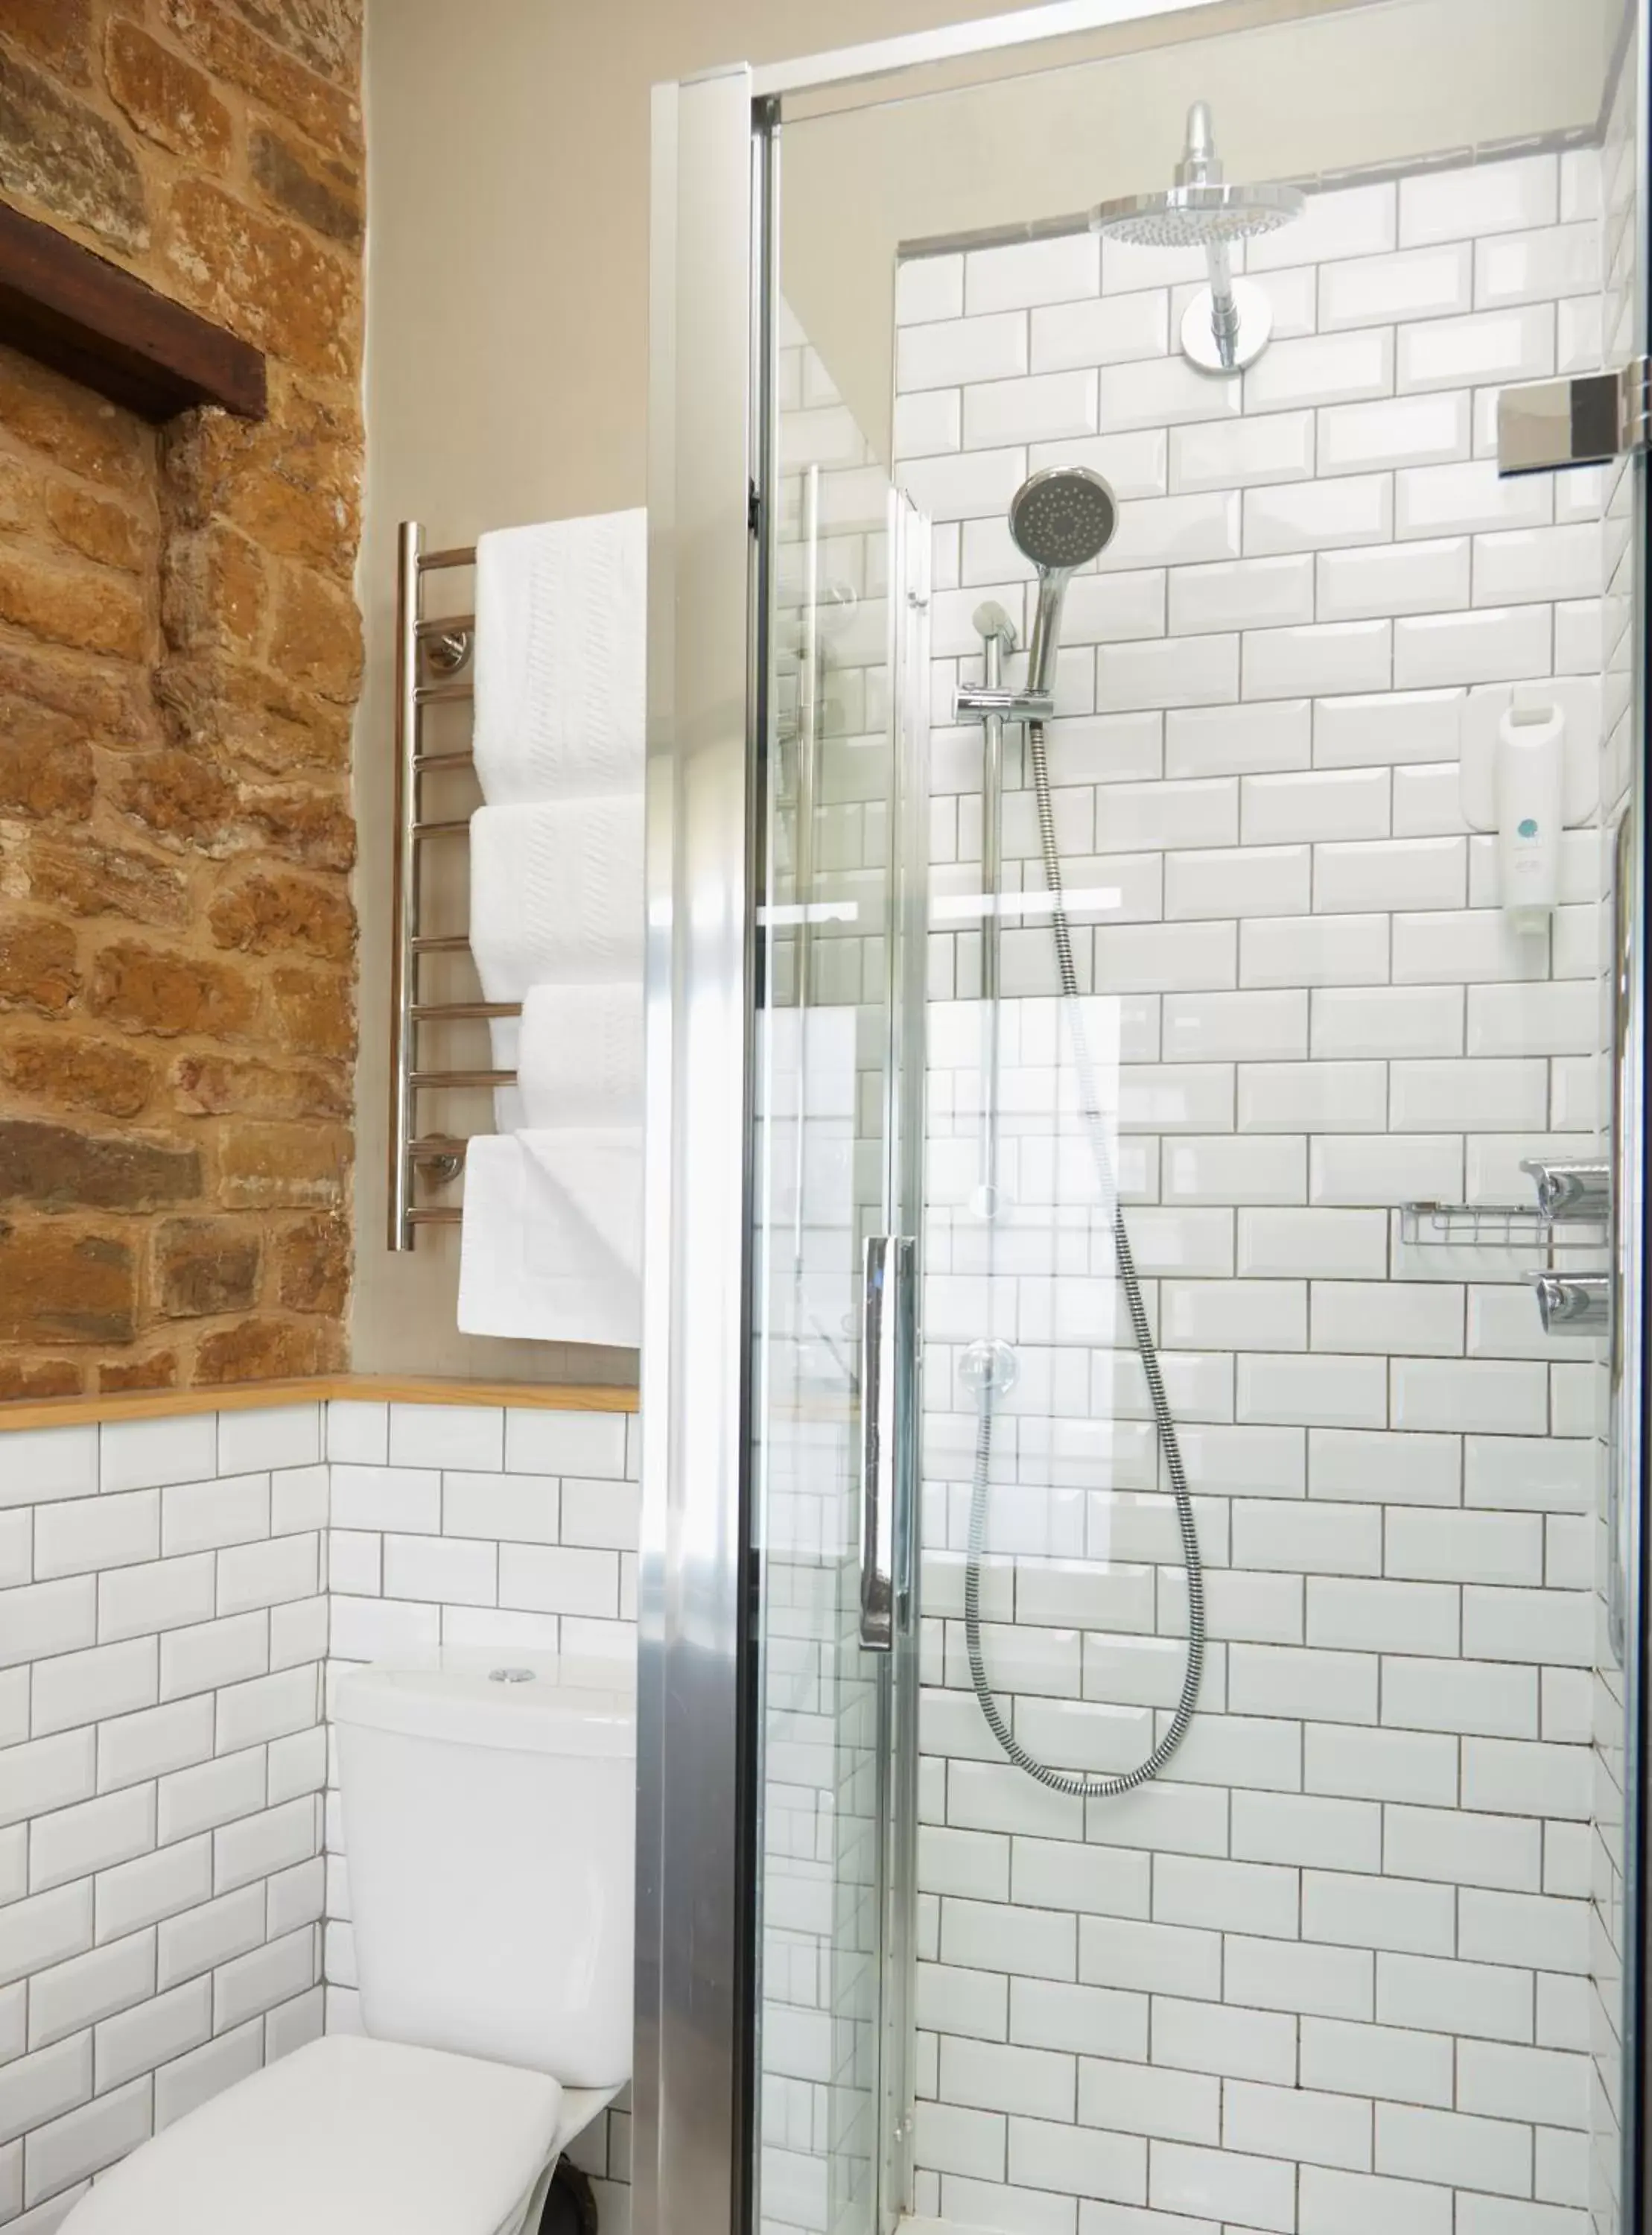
(179, 651)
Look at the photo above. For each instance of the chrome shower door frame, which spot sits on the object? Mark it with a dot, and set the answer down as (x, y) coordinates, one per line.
(694, 1911)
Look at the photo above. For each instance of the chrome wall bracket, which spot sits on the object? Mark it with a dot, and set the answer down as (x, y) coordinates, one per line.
(1546, 425)
(1569, 1193)
(1573, 1303)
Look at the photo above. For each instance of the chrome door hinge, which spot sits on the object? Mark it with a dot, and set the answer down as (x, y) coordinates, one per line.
(1583, 421)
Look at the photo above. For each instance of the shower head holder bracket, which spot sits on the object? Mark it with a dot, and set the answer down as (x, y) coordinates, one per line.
(981, 699)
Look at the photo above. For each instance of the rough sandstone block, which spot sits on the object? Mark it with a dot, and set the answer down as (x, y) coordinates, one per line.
(263, 277)
(269, 1350)
(167, 98)
(76, 877)
(76, 429)
(43, 1377)
(325, 34)
(314, 1010)
(59, 34)
(276, 911)
(55, 1168)
(221, 1086)
(206, 1266)
(38, 966)
(179, 799)
(316, 638)
(231, 49)
(264, 1164)
(59, 154)
(158, 1369)
(73, 1073)
(213, 592)
(322, 192)
(46, 766)
(316, 828)
(59, 1287)
(99, 529)
(148, 989)
(313, 1266)
(98, 611)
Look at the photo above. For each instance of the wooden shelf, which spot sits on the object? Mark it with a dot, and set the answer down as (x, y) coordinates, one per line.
(261, 1396)
(115, 333)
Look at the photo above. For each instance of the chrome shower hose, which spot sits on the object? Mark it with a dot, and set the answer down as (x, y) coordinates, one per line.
(1077, 1782)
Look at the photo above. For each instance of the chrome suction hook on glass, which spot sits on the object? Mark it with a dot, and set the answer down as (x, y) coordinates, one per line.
(989, 1368)
(1227, 325)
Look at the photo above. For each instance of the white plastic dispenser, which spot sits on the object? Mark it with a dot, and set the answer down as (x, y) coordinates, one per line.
(1531, 803)
(1527, 774)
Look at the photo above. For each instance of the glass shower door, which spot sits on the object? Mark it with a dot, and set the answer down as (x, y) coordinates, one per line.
(833, 1293)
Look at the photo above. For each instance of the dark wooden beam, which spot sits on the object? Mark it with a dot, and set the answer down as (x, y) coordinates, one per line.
(115, 333)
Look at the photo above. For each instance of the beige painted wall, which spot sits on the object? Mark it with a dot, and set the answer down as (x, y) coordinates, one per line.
(506, 375)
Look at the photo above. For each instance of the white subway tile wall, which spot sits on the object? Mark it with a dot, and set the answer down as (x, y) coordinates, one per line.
(170, 1903)
(162, 1630)
(1331, 1971)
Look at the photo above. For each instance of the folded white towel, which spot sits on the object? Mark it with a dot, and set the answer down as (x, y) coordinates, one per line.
(551, 1243)
(561, 641)
(555, 895)
(577, 1055)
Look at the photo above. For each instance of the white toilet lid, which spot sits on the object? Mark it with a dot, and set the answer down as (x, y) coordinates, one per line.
(343, 2136)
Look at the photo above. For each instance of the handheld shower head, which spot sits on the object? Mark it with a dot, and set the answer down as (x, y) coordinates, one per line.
(1061, 518)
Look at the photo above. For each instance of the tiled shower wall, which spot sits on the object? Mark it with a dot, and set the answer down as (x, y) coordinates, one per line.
(166, 1878)
(1329, 1974)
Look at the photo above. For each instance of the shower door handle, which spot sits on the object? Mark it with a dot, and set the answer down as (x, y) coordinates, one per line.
(888, 1346)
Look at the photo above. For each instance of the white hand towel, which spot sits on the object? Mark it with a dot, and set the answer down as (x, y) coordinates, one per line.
(561, 643)
(555, 895)
(578, 1058)
(551, 1243)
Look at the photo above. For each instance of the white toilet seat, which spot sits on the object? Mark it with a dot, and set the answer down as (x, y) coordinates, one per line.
(343, 2136)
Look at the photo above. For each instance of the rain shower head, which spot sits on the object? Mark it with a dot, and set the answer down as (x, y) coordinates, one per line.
(1227, 325)
(1195, 217)
(1061, 518)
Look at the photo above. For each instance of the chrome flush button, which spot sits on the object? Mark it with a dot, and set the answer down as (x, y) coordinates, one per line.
(510, 1675)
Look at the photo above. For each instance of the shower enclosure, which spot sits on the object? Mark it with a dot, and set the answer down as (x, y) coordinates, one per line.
(1141, 1607)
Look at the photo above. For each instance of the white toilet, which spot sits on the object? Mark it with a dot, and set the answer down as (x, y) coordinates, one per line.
(489, 1817)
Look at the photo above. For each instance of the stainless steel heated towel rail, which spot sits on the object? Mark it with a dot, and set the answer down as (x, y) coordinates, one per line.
(435, 663)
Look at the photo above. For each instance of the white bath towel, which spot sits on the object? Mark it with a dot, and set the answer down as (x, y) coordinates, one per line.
(555, 895)
(561, 632)
(578, 1054)
(551, 1244)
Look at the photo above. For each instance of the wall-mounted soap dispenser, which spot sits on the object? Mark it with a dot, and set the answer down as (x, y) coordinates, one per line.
(1528, 772)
